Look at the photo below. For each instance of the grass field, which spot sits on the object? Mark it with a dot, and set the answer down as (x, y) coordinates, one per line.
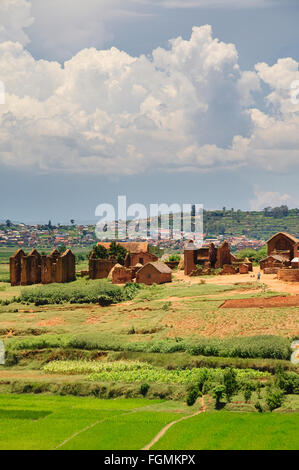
(171, 311)
(233, 431)
(46, 422)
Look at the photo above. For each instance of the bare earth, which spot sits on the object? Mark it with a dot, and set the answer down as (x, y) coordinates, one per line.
(270, 280)
(279, 301)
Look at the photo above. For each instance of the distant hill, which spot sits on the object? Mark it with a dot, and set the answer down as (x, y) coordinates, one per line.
(258, 225)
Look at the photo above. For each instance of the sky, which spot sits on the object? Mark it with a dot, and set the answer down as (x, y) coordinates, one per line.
(164, 101)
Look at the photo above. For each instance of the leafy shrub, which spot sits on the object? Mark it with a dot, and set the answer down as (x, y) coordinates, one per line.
(247, 347)
(258, 407)
(247, 392)
(166, 306)
(174, 258)
(144, 388)
(192, 395)
(84, 291)
(288, 382)
(274, 398)
(230, 382)
(218, 394)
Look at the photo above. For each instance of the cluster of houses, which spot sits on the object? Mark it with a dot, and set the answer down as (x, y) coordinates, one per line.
(144, 267)
(140, 265)
(22, 235)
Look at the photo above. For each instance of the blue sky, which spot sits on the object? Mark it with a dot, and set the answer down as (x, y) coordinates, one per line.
(99, 102)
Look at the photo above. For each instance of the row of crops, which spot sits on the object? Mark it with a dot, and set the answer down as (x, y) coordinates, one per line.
(134, 372)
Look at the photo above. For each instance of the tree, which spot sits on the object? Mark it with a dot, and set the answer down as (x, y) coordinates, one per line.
(101, 252)
(8, 223)
(218, 394)
(230, 382)
(62, 248)
(118, 252)
(72, 221)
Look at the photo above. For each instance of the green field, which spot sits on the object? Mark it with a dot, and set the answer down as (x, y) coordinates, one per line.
(45, 422)
(48, 422)
(233, 431)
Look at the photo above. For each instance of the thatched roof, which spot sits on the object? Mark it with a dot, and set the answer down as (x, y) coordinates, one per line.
(111, 272)
(161, 267)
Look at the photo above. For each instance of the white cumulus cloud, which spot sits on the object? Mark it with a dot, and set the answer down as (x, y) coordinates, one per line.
(265, 199)
(15, 16)
(185, 108)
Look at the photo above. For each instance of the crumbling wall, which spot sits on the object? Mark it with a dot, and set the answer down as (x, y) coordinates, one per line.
(189, 261)
(15, 267)
(223, 255)
(288, 275)
(243, 269)
(122, 275)
(228, 269)
(66, 267)
(271, 270)
(100, 268)
(35, 269)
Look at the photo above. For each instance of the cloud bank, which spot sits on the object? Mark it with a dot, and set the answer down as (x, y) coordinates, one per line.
(15, 16)
(185, 108)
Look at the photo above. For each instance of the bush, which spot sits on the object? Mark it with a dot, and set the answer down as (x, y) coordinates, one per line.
(174, 258)
(80, 292)
(230, 382)
(274, 398)
(208, 348)
(144, 389)
(247, 392)
(258, 407)
(192, 395)
(288, 382)
(218, 394)
(272, 347)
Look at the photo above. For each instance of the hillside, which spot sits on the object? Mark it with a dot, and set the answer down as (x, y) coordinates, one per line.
(259, 225)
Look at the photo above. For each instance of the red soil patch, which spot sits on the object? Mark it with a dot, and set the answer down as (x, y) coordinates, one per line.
(279, 301)
(52, 322)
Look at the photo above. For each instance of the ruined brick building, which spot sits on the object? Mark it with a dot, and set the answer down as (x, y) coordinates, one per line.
(138, 254)
(100, 268)
(34, 268)
(207, 256)
(283, 249)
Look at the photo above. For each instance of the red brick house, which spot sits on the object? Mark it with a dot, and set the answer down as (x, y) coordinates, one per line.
(282, 249)
(154, 273)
